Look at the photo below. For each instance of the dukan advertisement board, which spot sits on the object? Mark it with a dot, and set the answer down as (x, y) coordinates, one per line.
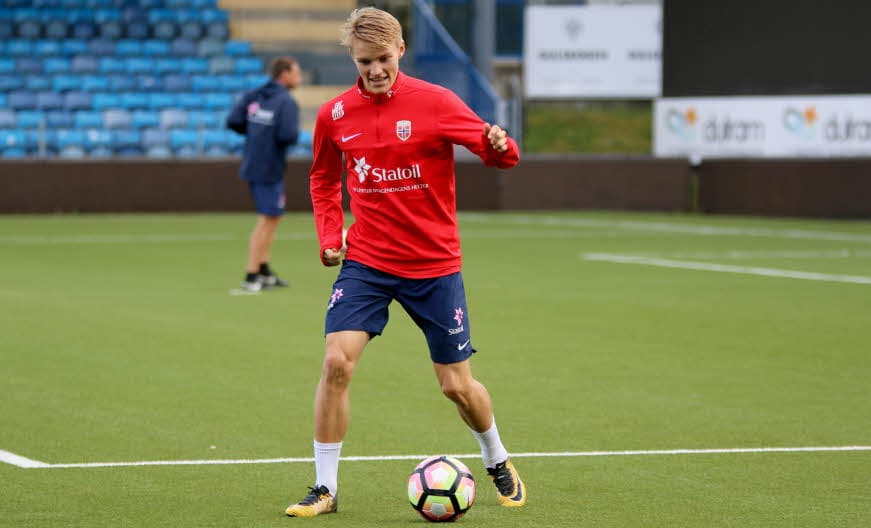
(763, 126)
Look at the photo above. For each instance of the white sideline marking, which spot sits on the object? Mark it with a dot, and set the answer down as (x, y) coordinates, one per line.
(768, 254)
(645, 452)
(726, 268)
(669, 227)
(20, 461)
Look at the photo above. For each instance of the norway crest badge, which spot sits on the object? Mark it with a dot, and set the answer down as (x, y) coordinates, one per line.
(403, 129)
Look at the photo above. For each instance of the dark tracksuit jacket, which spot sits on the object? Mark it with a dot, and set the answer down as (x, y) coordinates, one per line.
(268, 117)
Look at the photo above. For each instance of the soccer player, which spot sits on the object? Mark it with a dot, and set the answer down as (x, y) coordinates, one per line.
(396, 135)
(268, 117)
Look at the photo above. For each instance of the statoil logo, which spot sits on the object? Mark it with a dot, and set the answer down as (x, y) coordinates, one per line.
(375, 174)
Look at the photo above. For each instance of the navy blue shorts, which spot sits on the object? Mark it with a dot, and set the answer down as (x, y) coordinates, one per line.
(362, 294)
(268, 197)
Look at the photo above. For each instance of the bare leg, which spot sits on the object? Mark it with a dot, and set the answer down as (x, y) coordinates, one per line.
(470, 396)
(332, 399)
(260, 242)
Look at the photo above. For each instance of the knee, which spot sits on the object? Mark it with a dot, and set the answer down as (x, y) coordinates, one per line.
(337, 370)
(455, 391)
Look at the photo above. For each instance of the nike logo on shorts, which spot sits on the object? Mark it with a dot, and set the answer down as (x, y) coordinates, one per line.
(352, 136)
(464, 345)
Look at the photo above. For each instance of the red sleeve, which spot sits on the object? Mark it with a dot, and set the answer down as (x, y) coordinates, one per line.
(462, 126)
(325, 187)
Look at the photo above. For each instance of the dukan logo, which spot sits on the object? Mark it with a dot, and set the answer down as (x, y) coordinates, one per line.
(403, 129)
(801, 123)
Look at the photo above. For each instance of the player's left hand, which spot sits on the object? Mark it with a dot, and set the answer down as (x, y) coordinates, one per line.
(497, 136)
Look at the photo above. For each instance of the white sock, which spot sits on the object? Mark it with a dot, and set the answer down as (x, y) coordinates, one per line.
(327, 465)
(492, 450)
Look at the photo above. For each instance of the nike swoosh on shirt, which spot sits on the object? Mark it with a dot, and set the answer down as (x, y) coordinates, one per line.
(352, 136)
(460, 347)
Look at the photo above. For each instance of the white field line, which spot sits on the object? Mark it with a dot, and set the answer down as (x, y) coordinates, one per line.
(20, 461)
(667, 227)
(561, 454)
(726, 268)
(797, 254)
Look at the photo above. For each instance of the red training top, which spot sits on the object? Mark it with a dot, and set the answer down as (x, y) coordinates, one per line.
(399, 153)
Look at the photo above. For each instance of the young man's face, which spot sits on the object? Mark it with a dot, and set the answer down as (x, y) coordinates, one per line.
(378, 67)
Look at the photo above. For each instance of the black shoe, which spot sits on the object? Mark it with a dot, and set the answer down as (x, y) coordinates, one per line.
(512, 490)
(272, 281)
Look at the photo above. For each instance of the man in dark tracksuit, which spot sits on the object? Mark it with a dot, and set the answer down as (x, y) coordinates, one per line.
(268, 117)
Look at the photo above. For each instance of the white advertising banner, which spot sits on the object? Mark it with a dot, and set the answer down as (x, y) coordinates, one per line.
(592, 51)
(773, 126)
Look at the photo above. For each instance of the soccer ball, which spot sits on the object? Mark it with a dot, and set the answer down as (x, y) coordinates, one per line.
(441, 488)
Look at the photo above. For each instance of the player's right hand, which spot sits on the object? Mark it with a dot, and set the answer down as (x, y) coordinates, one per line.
(332, 256)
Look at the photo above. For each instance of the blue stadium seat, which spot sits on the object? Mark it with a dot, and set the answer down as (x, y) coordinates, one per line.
(176, 83)
(173, 118)
(12, 152)
(154, 137)
(112, 65)
(12, 138)
(83, 29)
(56, 29)
(2, 100)
(232, 83)
(249, 65)
(21, 100)
(217, 100)
(149, 83)
(167, 65)
(126, 143)
(65, 83)
(19, 48)
(191, 29)
(192, 65)
(77, 101)
(305, 138)
(204, 119)
(46, 48)
(88, 119)
(128, 47)
(71, 47)
(237, 48)
(7, 66)
(28, 29)
(110, 29)
(94, 83)
(135, 65)
(106, 101)
(70, 138)
(7, 29)
(84, 64)
(217, 30)
(56, 65)
(216, 138)
(36, 83)
(117, 118)
(210, 48)
(9, 83)
(49, 100)
(137, 29)
(59, 119)
(161, 100)
(121, 83)
(101, 47)
(165, 30)
(183, 47)
(30, 119)
(134, 100)
(27, 65)
(154, 47)
(219, 65)
(145, 119)
(159, 152)
(8, 118)
(98, 140)
(204, 83)
(189, 100)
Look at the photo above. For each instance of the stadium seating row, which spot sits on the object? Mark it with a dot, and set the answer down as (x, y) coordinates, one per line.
(134, 65)
(24, 100)
(174, 83)
(112, 119)
(129, 142)
(97, 4)
(113, 29)
(69, 48)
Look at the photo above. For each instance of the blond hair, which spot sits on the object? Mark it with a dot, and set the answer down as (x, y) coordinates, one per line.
(377, 28)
